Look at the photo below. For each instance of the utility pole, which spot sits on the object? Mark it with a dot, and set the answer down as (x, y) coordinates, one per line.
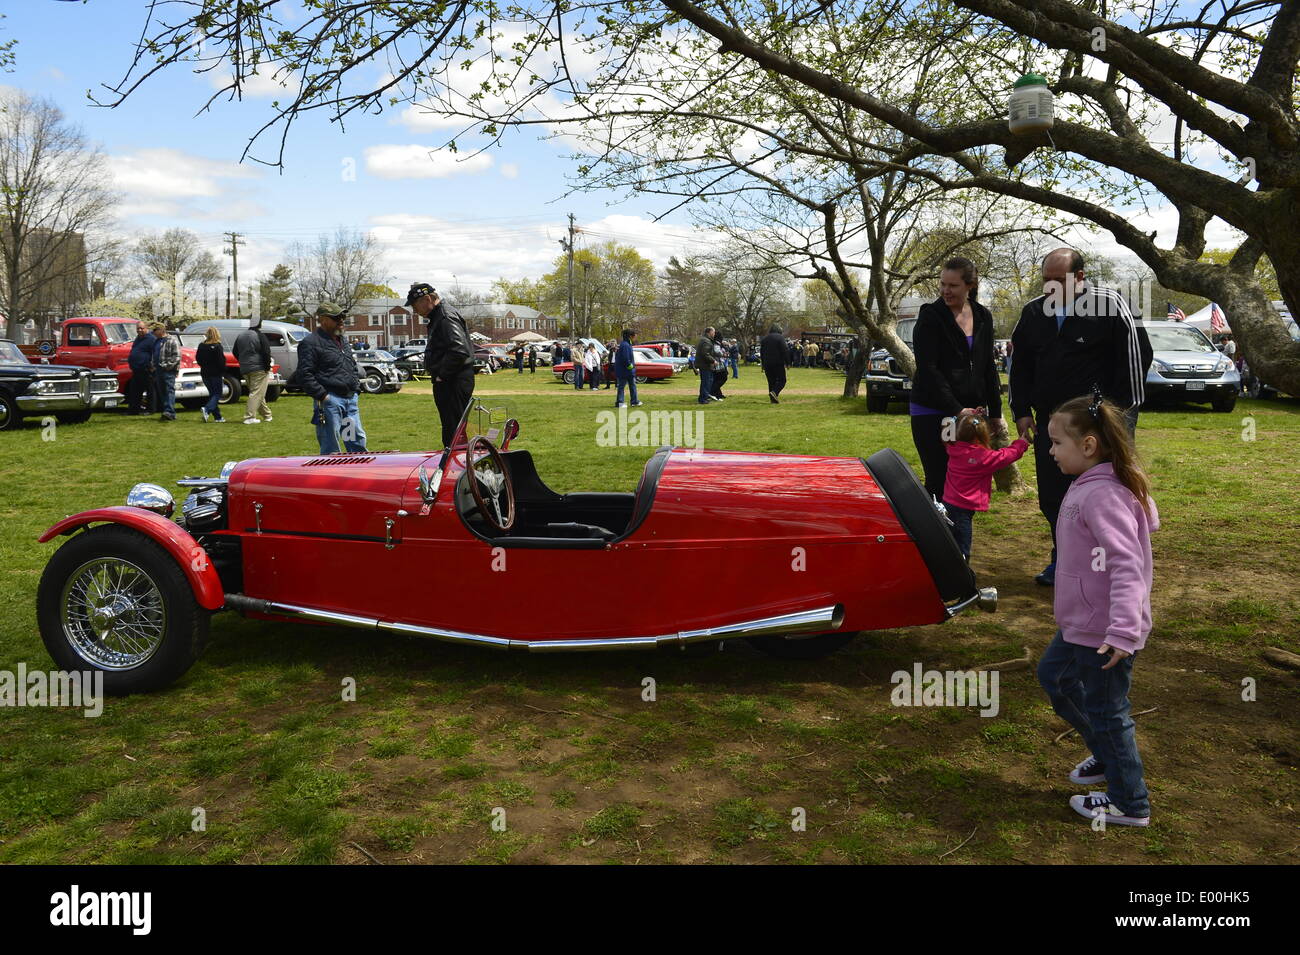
(586, 299)
(569, 249)
(235, 242)
(227, 296)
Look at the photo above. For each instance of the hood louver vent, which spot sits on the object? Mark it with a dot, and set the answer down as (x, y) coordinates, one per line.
(341, 459)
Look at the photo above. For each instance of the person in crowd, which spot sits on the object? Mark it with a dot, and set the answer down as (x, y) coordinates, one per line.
(140, 360)
(519, 360)
(1103, 607)
(253, 350)
(448, 356)
(733, 356)
(591, 366)
(704, 363)
(611, 347)
(719, 367)
(532, 359)
(955, 373)
(772, 354)
(166, 366)
(579, 365)
(1073, 336)
(211, 357)
(328, 373)
(625, 369)
(972, 462)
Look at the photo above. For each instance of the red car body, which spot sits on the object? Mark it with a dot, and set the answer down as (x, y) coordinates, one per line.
(793, 548)
(645, 370)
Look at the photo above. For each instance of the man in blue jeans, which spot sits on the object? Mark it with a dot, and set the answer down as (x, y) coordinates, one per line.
(1093, 698)
(625, 368)
(166, 366)
(328, 372)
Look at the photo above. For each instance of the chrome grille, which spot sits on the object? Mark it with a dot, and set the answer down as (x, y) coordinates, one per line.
(1190, 370)
(104, 385)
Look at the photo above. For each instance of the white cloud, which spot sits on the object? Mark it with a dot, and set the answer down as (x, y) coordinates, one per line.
(510, 170)
(171, 183)
(420, 162)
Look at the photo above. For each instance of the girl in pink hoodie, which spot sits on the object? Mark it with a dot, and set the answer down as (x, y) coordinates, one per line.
(971, 465)
(1102, 602)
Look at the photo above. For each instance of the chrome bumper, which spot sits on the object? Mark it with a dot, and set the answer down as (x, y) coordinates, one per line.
(38, 403)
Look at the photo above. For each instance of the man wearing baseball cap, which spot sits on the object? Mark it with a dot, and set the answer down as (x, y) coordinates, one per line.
(328, 372)
(448, 356)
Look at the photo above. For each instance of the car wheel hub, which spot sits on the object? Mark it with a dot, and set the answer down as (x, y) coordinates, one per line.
(113, 614)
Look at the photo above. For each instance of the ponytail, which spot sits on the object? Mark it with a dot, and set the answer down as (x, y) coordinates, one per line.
(1096, 416)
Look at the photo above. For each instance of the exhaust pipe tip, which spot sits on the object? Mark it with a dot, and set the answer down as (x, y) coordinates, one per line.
(987, 599)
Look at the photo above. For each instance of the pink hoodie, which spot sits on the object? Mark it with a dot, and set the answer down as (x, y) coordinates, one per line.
(970, 471)
(1103, 563)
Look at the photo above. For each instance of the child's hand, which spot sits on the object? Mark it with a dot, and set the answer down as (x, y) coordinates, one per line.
(1116, 654)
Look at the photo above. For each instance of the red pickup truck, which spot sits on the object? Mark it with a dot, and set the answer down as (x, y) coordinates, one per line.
(105, 342)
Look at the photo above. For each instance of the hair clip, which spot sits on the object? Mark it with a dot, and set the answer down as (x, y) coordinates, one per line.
(1094, 409)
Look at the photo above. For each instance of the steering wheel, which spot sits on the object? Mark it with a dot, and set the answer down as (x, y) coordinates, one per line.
(489, 483)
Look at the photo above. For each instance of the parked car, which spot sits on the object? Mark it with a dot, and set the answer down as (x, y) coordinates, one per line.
(68, 392)
(378, 370)
(649, 367)
(127, 597)
(885, 380)
(104, 341)
(284, 338)
(1187, 367)
(233, 384)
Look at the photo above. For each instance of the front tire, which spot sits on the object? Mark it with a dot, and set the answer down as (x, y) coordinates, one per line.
(642, 380)
(1224, 405)
(567, 377)
(231, 390)
(73, 417)
(10, 416)
(273, 393)
(373, 383)
(113, 600)
(877, 405)
(801, 648)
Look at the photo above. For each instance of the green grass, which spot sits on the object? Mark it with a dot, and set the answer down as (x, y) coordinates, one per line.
(257, 737)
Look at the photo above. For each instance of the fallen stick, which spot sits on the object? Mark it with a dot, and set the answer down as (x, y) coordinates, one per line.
(1279, 657)
(1072, 730)
(362, 849)
(607, 716)
(1019, 663)
(962, 843)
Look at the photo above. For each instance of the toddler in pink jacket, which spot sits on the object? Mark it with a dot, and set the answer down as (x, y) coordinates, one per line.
(971, 465)
(1102, 603)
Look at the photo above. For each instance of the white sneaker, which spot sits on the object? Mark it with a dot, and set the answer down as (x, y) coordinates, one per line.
(267, 419)
(204, 412)
(1088, 773)
(252, 421)
(1098, 804)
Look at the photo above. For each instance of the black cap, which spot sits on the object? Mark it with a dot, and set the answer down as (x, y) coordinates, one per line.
(418, 290)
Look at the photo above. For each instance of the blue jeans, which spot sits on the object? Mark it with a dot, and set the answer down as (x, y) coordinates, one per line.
(577, 375)
(213, 405)
(961, 526)
(631, 383)
(735, 371)
(1095, 702)
(164, 387)
(335, 416)
(706, 383)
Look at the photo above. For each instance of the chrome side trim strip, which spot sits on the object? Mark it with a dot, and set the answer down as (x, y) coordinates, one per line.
(806, 621)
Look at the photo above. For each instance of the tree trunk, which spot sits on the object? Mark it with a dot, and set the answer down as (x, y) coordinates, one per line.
(1009, 479)
(857, 366)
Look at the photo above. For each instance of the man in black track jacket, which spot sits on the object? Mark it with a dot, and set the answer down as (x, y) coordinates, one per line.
(1073, 336)
(448, 356)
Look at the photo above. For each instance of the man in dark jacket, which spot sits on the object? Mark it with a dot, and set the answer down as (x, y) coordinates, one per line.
(624, 362)
(166, 366)
(772, 355)
(704, 363)
(328, 372)
(448, 355)
(140, 362)
(253, 349)
(1073, 336)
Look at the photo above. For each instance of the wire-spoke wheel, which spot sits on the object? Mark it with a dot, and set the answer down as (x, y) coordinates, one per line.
(113, 600)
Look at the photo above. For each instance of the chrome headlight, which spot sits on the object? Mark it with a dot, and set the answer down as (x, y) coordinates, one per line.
(151, 497)
(43, 388)
(227, 468)
(877, 365)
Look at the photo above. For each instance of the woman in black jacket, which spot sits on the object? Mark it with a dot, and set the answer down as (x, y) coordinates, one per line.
(211, 357)
(955, 371)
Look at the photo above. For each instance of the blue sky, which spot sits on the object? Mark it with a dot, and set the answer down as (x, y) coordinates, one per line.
(501, 213)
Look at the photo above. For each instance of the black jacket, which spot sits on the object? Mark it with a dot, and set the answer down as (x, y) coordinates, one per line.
(771, 350)
(211, 358)
(950, 375)
(448, 351)
(704, 353)
(1097, 344)
(253, 349)
(325, 364)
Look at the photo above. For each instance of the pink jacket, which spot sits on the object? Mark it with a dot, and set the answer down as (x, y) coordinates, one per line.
(970, 471)
(1103, 563)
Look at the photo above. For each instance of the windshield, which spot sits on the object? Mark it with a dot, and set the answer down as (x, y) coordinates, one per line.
(384, 356)
(487, 417)
(9, 352)
(1177, 338)
(119, 333)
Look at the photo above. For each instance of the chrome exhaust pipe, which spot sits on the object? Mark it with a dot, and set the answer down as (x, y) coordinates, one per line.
(819, 620)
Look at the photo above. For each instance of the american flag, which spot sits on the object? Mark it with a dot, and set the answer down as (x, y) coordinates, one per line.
(1175, 313)
(1217, 322)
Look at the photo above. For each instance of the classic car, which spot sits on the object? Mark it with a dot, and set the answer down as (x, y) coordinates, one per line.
(68, 392)
(104, 341)
(649, 367)
(802, 552)
(378, 370)
(233, 385)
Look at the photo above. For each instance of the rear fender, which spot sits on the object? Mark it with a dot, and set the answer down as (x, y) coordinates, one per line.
(187, 552)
